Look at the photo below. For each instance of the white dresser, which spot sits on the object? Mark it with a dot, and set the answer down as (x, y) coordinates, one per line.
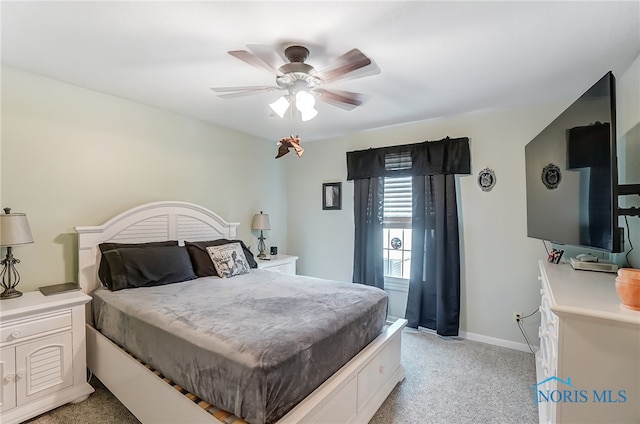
(42, 354)
(279, 263)
(589, 350)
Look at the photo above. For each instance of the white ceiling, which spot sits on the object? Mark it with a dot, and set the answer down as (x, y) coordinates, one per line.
(436, 58)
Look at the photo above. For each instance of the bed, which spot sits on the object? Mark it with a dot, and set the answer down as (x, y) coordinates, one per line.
(309, 388)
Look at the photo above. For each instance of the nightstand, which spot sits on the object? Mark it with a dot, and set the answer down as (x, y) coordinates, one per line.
(279, 263)
(42, 353)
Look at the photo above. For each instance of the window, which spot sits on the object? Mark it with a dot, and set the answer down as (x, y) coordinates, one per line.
(397, 252)
(397, 219)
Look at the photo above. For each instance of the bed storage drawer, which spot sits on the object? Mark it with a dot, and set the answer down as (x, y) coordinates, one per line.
(12, 330)
(377, 373)
(341, 408)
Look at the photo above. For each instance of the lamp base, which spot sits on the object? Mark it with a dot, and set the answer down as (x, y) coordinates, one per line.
(10, 293)
(261, 247)
(10, 276)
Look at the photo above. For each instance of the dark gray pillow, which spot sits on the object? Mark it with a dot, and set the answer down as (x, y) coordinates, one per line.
(148, 266)
(104, 273)
(202, 263)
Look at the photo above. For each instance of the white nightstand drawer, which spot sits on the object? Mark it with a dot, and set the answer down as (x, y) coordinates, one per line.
(279, 263)
(285, 268)
(38, 324)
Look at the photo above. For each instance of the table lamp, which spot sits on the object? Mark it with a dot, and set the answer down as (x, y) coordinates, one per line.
(14, 230)
(261, 222)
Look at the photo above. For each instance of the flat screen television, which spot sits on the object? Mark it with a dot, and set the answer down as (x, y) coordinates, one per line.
(572, 174)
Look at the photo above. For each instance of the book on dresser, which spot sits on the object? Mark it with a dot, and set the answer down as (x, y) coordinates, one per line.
(59, 288)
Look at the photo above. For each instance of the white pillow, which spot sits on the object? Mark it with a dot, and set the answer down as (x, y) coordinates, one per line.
(229, 259)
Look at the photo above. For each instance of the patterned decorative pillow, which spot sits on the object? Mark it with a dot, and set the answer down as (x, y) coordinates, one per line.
(229, 259)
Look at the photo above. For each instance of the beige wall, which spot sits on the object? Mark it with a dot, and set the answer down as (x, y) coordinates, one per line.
(628, 128)
(72, 156)
(499, 261)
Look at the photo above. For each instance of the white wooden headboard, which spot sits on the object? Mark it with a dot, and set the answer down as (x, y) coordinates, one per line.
(158, 221)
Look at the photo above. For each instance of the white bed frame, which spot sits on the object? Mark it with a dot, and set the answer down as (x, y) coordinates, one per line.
(351, 395)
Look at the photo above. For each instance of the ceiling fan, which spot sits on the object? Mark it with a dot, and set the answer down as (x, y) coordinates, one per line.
(301, 81)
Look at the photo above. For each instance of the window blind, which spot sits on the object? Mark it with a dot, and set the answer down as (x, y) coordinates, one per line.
(397, 190)
(397, 199)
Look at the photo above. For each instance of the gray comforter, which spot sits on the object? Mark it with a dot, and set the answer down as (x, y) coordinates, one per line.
(255, 344)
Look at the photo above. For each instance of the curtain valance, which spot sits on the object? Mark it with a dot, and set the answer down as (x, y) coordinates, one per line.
(446, 156)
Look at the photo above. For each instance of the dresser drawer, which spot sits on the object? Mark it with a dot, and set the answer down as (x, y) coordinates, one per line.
(21, 329)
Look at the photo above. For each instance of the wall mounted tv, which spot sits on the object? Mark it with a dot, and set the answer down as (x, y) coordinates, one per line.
(572, 174)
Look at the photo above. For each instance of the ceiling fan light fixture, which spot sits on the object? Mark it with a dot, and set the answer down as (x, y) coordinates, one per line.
(305, 100)
(305, 103)
(280, 106)
(308, 114)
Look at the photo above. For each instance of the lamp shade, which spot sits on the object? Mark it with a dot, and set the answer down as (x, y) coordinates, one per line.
(260, 222)
(14, 229)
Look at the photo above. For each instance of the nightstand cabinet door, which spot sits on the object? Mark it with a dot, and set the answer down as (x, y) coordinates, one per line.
(8, 375)
(43, 367)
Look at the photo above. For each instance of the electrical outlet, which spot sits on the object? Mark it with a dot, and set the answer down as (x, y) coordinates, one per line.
(517, 316)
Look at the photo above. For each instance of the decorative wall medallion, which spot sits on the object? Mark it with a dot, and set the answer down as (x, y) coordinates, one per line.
(396, 243)
(486, 179)
(551, 176)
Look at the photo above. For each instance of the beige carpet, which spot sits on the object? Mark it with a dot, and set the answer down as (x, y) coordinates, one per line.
(455, 381)
(448, 381)
(100, 408)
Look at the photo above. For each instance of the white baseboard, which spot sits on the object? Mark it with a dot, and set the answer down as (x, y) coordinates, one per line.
(497, 342)
(483, 339)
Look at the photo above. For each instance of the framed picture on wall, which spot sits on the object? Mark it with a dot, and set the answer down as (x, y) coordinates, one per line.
(332, 196)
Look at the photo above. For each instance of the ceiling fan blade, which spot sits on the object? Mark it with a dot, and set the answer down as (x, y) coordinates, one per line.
(245, 88)
(232, 92)
(348, 62)
(365, 71)
(253, 60)
(268, 55)
(343, 99)
(238, 94)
